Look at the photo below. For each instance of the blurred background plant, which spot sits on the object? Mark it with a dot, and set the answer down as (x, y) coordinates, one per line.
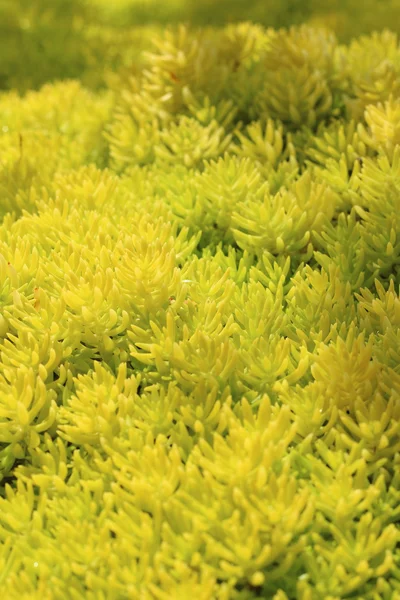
(44, 40)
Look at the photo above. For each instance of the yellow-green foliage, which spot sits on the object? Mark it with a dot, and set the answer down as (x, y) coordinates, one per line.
(199, 302)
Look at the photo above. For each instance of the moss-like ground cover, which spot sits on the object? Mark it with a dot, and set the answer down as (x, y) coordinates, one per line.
(199, 304)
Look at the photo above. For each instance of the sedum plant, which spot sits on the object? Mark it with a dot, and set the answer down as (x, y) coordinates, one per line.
(199, 303)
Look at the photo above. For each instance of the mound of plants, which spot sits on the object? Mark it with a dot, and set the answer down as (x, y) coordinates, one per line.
(199, 310)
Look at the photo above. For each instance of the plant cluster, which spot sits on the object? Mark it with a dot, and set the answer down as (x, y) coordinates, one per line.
(200, 319)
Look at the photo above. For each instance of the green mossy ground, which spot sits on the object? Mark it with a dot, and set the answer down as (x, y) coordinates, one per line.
(199, 304)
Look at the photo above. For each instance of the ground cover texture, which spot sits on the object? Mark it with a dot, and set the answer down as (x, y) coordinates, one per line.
(199, 301)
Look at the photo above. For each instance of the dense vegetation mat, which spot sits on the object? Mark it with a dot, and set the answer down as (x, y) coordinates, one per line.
(199, 323)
